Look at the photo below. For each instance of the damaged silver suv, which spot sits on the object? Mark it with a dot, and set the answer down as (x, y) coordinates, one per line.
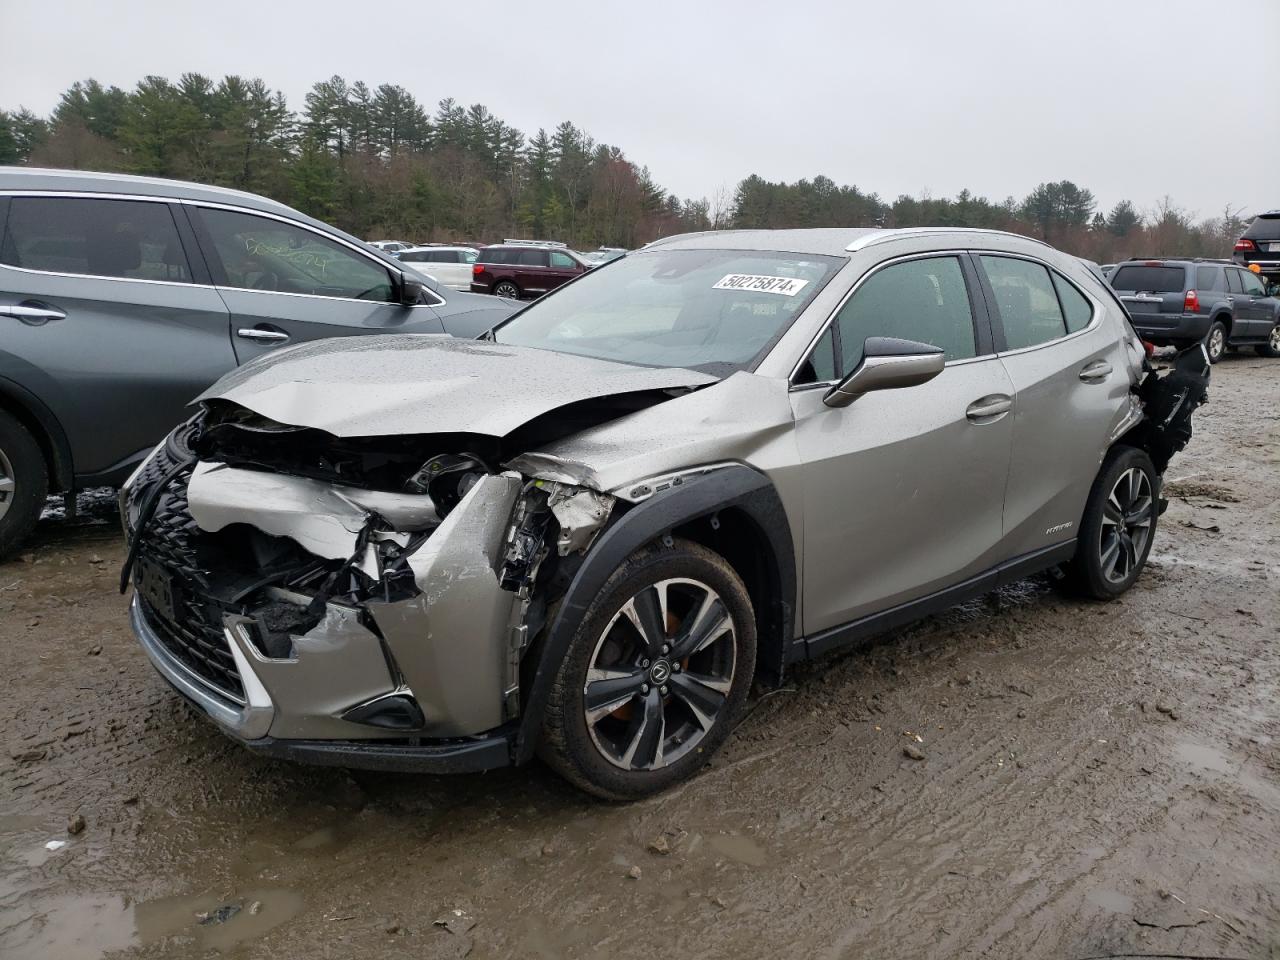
(584, 535)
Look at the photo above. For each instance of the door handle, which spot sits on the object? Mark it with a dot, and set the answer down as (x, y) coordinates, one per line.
(32, 312)
(1095, 372)
(262, 336)
(988, 408)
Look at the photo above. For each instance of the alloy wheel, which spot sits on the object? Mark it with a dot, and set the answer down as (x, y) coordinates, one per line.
(660, 674)
(507, 290)
(7, 485)
(1217, 342)
(1126, 524)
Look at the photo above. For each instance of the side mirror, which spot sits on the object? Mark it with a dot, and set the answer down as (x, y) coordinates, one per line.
(410, 290)
(887, 363)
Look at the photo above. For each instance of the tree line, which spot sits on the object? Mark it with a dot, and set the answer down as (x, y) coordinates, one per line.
(377, 163)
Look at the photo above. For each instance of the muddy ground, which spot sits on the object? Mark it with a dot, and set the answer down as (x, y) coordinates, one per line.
(1097, 780)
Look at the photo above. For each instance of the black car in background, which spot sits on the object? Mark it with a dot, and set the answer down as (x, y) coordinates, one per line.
(1260, 245)
(1179, 302)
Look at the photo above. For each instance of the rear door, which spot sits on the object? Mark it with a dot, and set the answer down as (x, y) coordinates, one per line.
(284, 282)
(107, 315)
(531, 272)
(1071, 384)
(1254, 300)
(903, 489)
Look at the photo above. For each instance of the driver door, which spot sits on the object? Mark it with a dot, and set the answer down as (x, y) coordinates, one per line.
(286, 283)
(903, 488)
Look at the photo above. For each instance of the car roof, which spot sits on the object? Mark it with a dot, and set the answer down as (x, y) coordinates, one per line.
(38, 178)
(823, 241)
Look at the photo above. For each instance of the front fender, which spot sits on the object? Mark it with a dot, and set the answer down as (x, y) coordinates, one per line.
(735, 486)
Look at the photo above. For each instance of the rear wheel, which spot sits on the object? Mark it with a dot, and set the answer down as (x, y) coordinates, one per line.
(656, 675)
(24, 483)
(1215, 342)
(505, 288)
(1272, 347)
(1119, 525)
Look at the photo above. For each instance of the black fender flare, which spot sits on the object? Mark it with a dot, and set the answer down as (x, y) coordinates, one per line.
(700, 495)
(25, 404)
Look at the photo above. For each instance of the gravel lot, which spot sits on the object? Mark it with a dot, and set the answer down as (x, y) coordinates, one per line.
(1096, 780)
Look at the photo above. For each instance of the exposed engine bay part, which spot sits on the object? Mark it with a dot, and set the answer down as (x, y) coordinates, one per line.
(322, 518)
(581, 514)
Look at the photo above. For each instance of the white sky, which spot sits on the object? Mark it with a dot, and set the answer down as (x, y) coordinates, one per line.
(1133, 99)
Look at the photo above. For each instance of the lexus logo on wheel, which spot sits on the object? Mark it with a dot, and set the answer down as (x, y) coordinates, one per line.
(659, 672)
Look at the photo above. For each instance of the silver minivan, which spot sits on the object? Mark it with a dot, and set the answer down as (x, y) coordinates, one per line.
(121, 298)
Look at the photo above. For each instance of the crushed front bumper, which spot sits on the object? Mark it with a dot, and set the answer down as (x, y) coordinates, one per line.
(250, 721)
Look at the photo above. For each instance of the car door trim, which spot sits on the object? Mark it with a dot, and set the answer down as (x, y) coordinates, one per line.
(891, 618)
(979, 317)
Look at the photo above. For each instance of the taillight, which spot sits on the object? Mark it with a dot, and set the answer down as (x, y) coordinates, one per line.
(1149, 347)
(477, 269)
(1191, 302)
(1245, 245)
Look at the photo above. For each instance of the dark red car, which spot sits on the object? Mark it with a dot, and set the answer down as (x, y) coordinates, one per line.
(519, 269)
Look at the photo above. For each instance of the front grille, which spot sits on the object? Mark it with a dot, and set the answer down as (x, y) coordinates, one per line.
(194, 633)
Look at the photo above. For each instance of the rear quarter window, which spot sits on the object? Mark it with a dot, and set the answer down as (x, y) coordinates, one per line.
(1207, 278)
(1149, 279)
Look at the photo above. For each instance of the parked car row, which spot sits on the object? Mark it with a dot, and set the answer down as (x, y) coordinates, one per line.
(1184, 301)
(121, 298)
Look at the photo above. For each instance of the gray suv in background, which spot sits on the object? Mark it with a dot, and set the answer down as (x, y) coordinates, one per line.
(1179, 302)
(122, 298)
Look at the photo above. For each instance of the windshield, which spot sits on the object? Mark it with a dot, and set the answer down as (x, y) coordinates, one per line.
(675, 308)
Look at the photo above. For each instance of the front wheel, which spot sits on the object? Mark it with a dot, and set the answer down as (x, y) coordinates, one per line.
(1272, 347)
(507, 289)
(1215, 342)
(656, 675)
(1119, 525)
(24, 482)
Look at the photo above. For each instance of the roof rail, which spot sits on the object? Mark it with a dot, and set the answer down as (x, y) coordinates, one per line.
(534, 243)
(884, 235)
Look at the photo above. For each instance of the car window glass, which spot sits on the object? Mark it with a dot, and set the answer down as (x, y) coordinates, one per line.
(924, 300)
(533, 258)
(258, 253)
(1075, 306)
(821, 365)
(1207, 278)
(1233, 281)
(1252, 285)
(1145, 278)
(130, 239)
(469, 256)
(413, 257)
(1026, 301)
(562, 260)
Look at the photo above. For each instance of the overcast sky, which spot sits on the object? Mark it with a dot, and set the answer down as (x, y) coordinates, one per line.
(1132, 99)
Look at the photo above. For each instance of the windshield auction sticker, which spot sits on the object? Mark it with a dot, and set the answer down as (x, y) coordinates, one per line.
(785, 286)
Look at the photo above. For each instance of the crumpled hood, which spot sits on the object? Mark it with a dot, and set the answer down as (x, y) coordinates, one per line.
(407, 384)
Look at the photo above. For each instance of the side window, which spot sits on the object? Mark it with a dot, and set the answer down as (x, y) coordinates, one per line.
(439, 256)
(1026, 301)
(533, 258)
(1252, 285)
(562, 260)
(129, 239)
(412, 257)
(468, 256)
(1075, 306)
(925, 300)
(1233, 281)
(258, 253)
(821, 365)
(1207, 278)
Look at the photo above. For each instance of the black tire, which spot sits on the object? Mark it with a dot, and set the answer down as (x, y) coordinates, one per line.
(24, 483)
(506, 288)
(581, 753)
(1215, 341)
(1272, 347)
(1096, 571)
